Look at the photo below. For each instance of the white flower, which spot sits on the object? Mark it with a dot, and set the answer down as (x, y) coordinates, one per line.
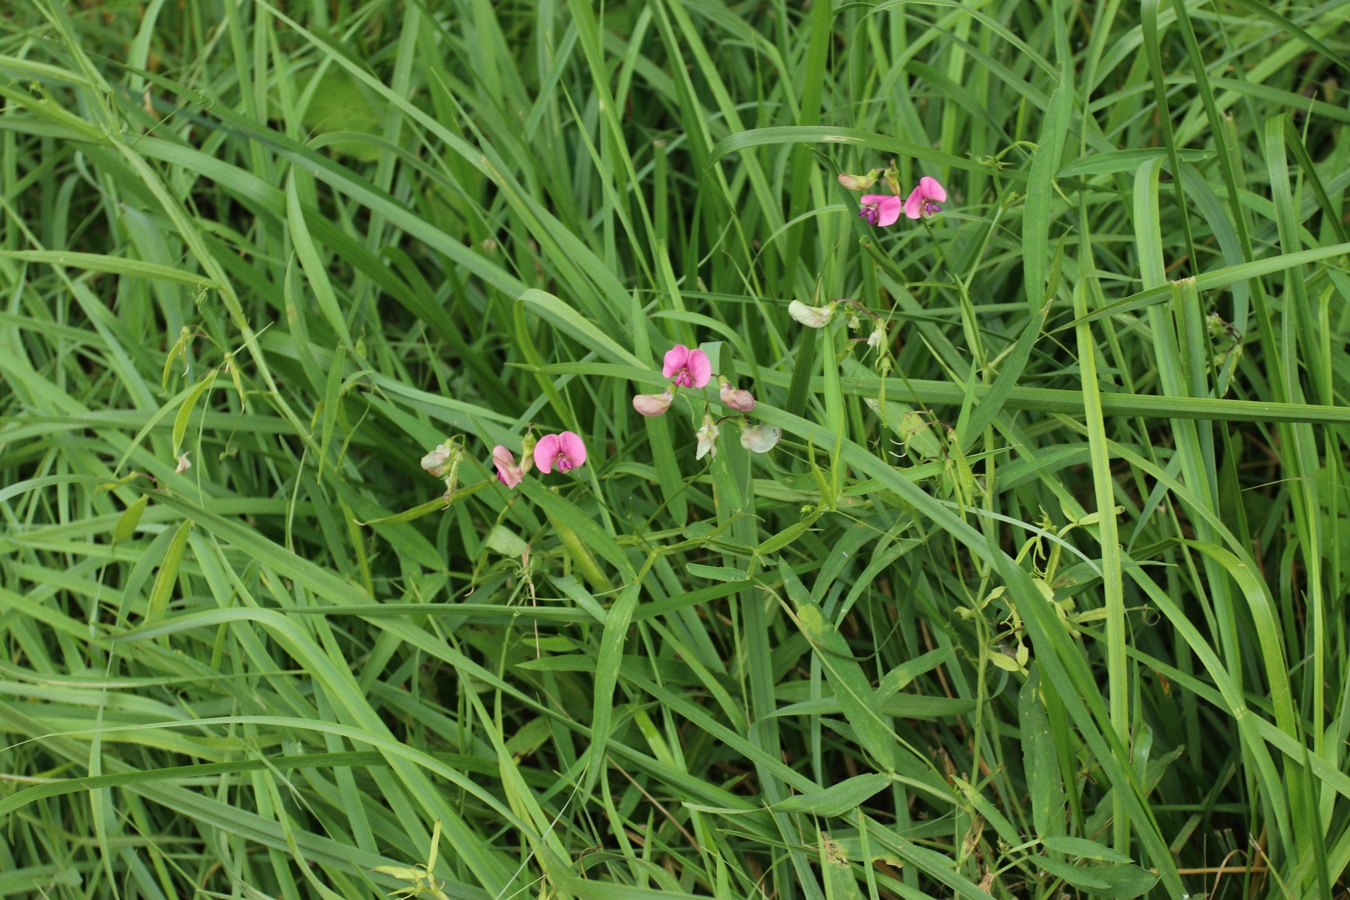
(877, 338)
(707, 438)
(183, 464)
(434, 462)
(761, 438)
(811, 316)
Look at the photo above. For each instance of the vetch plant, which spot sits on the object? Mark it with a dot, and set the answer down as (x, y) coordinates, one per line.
(707, 438)
(508, 472)
(924, 200)
(688, 368)
(734, 397)
(760, 438)
(811, 316)
(566, 451)
(654, 404)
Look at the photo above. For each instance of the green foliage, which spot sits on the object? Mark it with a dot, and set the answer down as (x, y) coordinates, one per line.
(1041, 595)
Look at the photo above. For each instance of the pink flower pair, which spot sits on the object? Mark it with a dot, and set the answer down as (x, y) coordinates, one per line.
(566, 451)
(690, 368)
(924, 202)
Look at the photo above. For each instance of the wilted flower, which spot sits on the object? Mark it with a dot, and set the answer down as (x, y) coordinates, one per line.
(761, 438)
(653, 404)
(566, 450)
(734, 397)
(923, 200)
(881, 209)
(811, 316)
(437, 460)
(688, 368)
(877, 338)
(183, 464)
(508, 472)
(707, 438)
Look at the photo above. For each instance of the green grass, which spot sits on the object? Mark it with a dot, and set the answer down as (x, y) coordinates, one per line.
(1048, 599)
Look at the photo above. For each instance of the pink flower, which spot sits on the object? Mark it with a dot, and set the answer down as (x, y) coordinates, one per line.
(923, 200)
(880, 209)
(507, 470)
(736, 398)
(688, 368)
(653, 404)
(566, 450)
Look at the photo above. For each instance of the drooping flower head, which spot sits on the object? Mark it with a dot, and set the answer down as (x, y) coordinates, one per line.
(924, 200)
(880, 209)
(654, 404)
(508, 472)
(687, 368)
(734, 397)
(761, 438)
(183, 463)
(707, 438)
(566, 451)
(436, 459)
(812, 316)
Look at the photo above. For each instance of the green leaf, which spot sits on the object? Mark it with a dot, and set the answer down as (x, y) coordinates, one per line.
(1082, 847)
(837, 799)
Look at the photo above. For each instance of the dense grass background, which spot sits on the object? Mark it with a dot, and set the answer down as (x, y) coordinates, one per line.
(1058, 607)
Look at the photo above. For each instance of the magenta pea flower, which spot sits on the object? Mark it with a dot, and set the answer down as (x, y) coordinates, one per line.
(566, 451)
(880, 209)
(923, 200)
(734, 397)
(508, 472)
(654, 404)
(687, 368)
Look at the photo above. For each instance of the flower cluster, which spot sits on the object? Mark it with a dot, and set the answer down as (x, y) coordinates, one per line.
(924, 202)
(692, 369)
(564, 452)
(820, 316)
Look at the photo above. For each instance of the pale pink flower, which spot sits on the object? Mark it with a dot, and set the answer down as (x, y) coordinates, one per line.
(923, 200)
(565, 450)
(653, 404)
(880, 209)
(761, 438)
(508, 472)
(707, 438)
(735, 398)
(860, 182)
(688, 368)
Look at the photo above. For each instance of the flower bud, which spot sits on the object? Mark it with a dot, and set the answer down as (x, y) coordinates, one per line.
(653, 404)
(735, 398)
(860, 182)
